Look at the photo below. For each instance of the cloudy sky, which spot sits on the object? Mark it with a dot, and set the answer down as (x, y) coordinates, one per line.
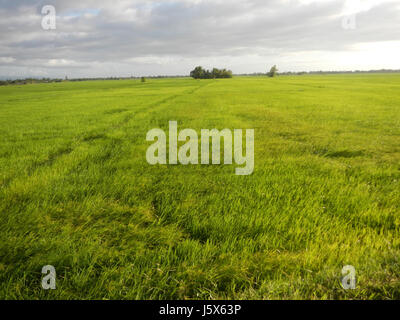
(95, 38)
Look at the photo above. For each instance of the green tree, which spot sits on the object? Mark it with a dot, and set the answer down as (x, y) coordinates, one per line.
(272, 72)
(200, 73)
(197, 73)
(215, 73)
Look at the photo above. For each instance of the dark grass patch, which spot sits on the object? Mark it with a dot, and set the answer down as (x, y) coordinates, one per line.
(93, 136)
(113, 111)
(344, 154)
(52, 157)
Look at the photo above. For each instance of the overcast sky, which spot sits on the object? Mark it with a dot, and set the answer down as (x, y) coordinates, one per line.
(95, 38)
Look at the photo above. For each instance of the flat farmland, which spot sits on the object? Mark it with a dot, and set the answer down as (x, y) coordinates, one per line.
(77, 193)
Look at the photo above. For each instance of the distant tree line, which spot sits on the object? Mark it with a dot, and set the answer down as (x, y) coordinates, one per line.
(49, 80)
(340, 72)
(200, 73)
(299, 73)
(27, 81)
(216, 73)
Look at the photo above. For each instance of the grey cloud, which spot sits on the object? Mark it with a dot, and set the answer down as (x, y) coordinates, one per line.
(120, 33)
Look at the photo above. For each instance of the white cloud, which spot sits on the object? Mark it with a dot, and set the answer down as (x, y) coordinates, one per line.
(7, 59)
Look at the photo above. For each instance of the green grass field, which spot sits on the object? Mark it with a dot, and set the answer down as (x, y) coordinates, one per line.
(77, 193)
